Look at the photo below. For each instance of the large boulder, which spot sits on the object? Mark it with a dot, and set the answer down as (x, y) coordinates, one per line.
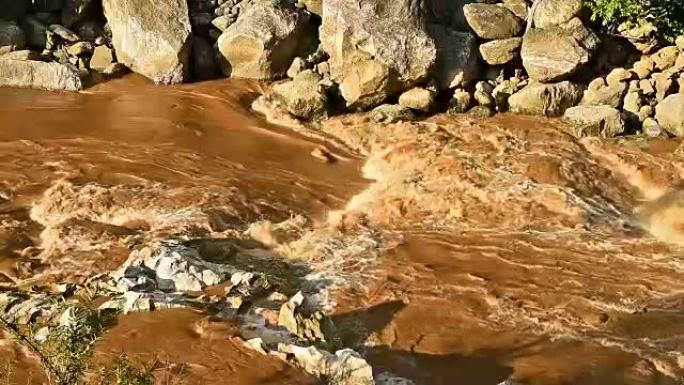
(554, 12)
(545, 99)
(670, 114)
(603, 121)
(151, 37)
(490, 21)
(39, 75)
(557, 52)
(499, 52)
(303, 97)
(377, 48)
(12, 38)
(264, 41)
(457, 57)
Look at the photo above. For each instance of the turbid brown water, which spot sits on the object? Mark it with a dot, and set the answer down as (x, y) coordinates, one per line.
(521, 253)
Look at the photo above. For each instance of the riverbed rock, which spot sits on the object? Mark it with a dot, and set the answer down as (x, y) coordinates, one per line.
(554, 12)
(499, 52)
(392, 113)
(490, 21)
(418, 99)
(345, 367)
(151, 38)
(460, 102)
(303, 96)
(39, 75)
(602, 121)
(263, 41)
(557, 52)
(670, 114)
(377, 49)
(12, 37)
(546, 99)
(457, 57)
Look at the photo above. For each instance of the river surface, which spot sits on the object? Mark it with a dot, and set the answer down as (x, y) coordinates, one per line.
(516, 252)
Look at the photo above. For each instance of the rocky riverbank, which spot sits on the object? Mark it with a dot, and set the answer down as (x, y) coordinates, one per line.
(542, 58)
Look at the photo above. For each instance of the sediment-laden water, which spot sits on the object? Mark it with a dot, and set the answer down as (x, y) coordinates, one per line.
(450, 251)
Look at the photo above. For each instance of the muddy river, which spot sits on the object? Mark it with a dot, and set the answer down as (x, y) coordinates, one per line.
(499, 250)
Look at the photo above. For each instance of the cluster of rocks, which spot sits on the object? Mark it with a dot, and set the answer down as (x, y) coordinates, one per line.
(535, 57)
(54, 44)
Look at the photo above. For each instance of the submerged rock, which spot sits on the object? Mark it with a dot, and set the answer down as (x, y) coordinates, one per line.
(546, 99)
(264, 40)
(39, 75)
(151, 38)
(376, 49)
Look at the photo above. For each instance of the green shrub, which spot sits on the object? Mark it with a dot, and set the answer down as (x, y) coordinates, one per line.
(667, 16)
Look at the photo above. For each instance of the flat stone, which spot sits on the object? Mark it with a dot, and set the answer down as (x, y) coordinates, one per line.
(39, 75)
(546, 99)
(499, 52)
(601, 121)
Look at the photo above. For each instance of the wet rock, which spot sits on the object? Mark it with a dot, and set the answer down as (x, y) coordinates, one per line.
(554, 12)
(457, 57)
(168, 269)
(392, 113)
(13, 9)
(39, 75)
(151, 38)
(491, 21)
(75, 11)
(204, 66)
(102, 58)
(263, 41)
(345, 367)
(303, 96)
(376, 51)
(670, 114)
(481, 112)
(419, 99)
(557, 52)
(12, 37)
(460, 102)
(499, 52)
(600, 93)
(546, 99)
(603, 121)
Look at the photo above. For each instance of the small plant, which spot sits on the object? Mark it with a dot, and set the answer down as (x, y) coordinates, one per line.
(125, 372)
(666, 16)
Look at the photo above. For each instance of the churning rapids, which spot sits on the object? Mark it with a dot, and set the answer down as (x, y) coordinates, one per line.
(450, 251)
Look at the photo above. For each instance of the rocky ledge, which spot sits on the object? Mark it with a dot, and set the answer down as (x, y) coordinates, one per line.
(544, 57)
